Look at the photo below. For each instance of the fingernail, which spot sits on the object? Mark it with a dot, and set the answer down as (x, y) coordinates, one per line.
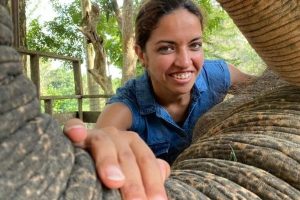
(76, 133)
(114, 174)
(75, 127)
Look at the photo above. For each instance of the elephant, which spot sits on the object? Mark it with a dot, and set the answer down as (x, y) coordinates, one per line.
(247, 147)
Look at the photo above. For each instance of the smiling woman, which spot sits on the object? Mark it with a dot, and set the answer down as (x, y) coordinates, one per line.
(173, 59)
(152, 116)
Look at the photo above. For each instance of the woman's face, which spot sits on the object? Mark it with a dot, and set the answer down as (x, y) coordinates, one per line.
(173, 55)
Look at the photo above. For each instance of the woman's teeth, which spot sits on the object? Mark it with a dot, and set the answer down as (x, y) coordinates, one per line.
(184, 75)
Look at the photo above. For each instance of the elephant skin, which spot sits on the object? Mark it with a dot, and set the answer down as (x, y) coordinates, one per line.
(272, 28)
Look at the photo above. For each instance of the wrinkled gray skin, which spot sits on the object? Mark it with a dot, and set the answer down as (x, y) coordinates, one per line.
(246, 148)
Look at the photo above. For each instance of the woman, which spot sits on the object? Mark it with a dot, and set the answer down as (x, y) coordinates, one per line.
(160, 108)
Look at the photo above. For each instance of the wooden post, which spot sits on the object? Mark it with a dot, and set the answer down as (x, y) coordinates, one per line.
(15, 18)
(78, 86)
(35, 72)
(48, 106)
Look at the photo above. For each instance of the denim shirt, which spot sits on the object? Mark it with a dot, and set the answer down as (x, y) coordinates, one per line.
(154, 124)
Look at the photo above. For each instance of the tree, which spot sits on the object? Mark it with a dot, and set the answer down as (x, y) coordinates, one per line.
(89, 51)
(89, 29)
(124, 17)
(127, 27)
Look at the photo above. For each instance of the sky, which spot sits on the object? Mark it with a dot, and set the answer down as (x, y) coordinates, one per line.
(45, 5)
(41, 9)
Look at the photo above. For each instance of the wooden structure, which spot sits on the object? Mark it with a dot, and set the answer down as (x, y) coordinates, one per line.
(86, 116)
(15, 18)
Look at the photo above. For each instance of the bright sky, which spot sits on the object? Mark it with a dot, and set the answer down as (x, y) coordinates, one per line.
(41, 10)
(44, 10)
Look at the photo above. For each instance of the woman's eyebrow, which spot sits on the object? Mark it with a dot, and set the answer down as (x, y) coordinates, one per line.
(197, 38)
(172, 42)
(165, 41)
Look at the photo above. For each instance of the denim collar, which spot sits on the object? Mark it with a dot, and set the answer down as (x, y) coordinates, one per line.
(145, 94)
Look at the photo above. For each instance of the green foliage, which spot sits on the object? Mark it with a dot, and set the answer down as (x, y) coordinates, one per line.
(60, 35)
(36, 37)
(58, 81)
(116, 83)
(108, 29)
(107, 8)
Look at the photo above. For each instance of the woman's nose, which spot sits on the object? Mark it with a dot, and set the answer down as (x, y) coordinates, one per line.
(183, 58)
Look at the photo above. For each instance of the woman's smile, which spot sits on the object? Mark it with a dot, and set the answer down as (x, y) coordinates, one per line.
(182, 78)
(182, 75)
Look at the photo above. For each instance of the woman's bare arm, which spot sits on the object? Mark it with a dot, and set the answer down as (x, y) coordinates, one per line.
(238, 79)
(123, 160)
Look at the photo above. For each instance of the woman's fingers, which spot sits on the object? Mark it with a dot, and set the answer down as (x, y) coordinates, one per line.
(116, 162)
(123, 154)
(152, 171)
(105, 153)
(76, 131)
(133, 187)
(122, 160)
(165, 169)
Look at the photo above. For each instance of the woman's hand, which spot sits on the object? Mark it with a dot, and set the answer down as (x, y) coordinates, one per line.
(122, 160)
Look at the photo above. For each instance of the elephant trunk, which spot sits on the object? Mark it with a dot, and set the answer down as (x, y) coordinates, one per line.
(36, 160)
(272, 29)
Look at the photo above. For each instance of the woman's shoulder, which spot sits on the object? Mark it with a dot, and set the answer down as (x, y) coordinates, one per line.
(132, 91)
(135, 82)
(215, 74)
(214, 68)
(215, 64)
(129, 87)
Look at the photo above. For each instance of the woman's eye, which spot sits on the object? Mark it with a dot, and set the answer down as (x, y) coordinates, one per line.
(166, 49)
(196, 46)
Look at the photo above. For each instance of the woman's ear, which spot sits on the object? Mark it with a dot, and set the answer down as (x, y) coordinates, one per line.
(140, 54)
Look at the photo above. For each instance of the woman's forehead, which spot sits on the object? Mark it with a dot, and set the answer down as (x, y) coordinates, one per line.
(176, 24)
